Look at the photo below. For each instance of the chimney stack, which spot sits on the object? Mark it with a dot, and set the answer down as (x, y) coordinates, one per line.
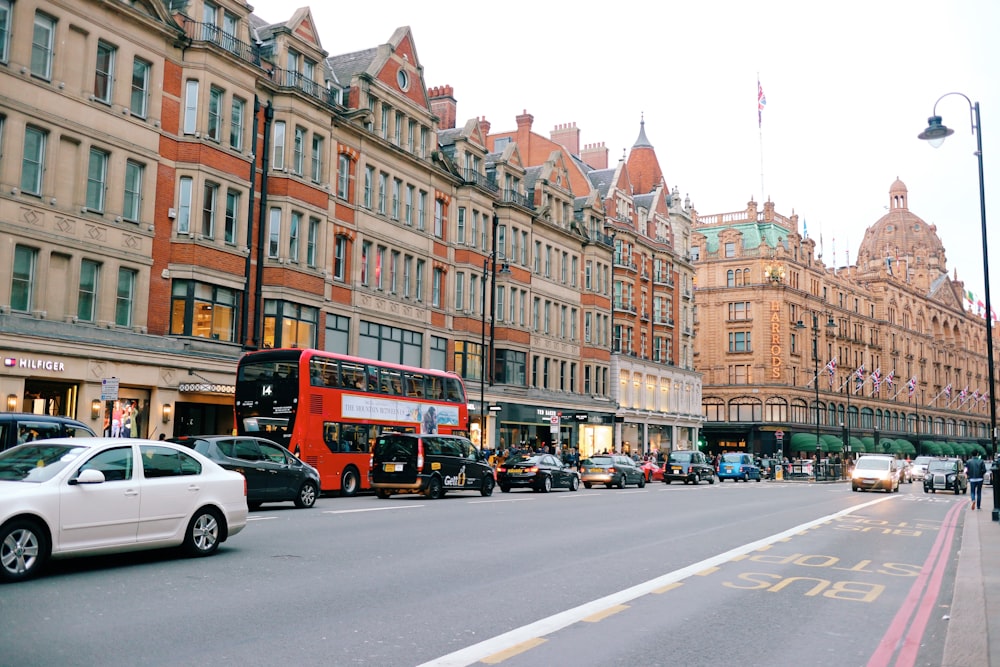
(443, 105)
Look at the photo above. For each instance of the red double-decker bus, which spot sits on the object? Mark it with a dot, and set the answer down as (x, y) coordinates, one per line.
(328, 408)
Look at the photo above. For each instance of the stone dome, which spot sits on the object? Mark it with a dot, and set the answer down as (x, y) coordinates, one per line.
(901, 235)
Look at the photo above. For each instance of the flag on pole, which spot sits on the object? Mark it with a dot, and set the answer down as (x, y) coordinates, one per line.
(947, 390)
(963, 395)
(890, 378)
(761, 101)
(975, 396)
(876, 380)
(911, 386)
(859, 378)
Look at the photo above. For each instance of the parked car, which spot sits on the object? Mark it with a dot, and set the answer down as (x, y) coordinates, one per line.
(274, 474)
(688, 466)
(652, 470)
(19, 427)
(873, 471)
(611, 470)
(918, 467)
(539, 472)
(946, 474)
(84, 496)
(429, 464)
(737, 466)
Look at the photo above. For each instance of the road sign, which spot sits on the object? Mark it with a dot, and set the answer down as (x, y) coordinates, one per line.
(109, 389)
(779, 435)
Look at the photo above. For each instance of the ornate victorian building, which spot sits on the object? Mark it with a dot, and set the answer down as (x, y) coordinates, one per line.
(900, 364)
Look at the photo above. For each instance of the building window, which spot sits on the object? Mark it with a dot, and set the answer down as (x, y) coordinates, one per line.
(274, 233)
(312, 242)
(419, 281)
(393, 271)
(236, 116)
(739, 341)
(278, 146)
(184, 205)
(338, 334)
(132, 204)
(293, 237)
(317, 161)
(740, 310)
(438, 218)
(459, 292)
(379, 266)
(214, 131)
(369, 181)
(411, 135)
(289, 324)
(408, 212)
(397, 192)
(339, 257)
(41, 46)
(437, 288)
(5, 31)
(730, 249)
(740, 374)
(422, 211)
(203, 310)
(97, 173)
(299, 151)
(125, 297)
(407, 266)
(468, 359)
(190, 107)
(86, 302)
(366, 258)
(388, 343)
(383, 185)
(232, 210)
(139, 95)
(22, 282)
(208, 207)
(33, 161)
(104, 74)
(343, 175)
(510, 367)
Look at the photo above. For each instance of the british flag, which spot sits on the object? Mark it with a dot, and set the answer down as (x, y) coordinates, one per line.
(975, 396)
(947, 390)
(963, 395)
(911, 386)
(831, 368)
(889, 379)
(859, 378)
(876, 380)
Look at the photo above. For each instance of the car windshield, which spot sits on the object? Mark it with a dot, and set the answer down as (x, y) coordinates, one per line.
(599, 461)
(921, 460)
(873, 463)
(732, 458)
(941, 465)
(36, 462)
(680, 456)
(523, 458)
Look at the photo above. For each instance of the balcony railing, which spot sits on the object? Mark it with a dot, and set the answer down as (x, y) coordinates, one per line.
(473, 177)
(209, 33)
(512, 196)
(287, 78)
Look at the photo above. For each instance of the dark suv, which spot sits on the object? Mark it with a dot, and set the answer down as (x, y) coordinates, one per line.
(946, 474)
(19, 427)
(689, 467)
(428, 464)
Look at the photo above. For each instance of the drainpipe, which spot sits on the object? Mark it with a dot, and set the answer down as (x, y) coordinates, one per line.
(262, 229)
(245, 297)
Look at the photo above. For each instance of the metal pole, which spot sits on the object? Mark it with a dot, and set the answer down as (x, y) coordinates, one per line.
(816, 385)
(482, 362)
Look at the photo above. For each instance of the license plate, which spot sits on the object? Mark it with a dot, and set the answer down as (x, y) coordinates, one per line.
(675, 469)
(597, 470)
(393, 467)
(729, 469)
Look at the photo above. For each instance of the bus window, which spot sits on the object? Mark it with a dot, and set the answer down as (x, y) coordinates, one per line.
(373, 378)
(435, 388)
(390, 382)
(331, 436)
(414, 385)
(453, 390)
(352, 375)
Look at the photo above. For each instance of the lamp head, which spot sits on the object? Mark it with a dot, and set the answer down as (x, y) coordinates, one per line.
(936, 132)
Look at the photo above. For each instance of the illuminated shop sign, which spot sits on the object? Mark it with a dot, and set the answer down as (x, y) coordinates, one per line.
(776, 340)
(39, 364)
(206, 388)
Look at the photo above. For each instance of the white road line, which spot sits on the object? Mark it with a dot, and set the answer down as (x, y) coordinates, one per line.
(373, 509)
(261, 518)
(500, 500)
(475, 653)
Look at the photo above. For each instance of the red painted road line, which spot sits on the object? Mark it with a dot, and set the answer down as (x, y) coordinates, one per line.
(897, 629)
(911, 643)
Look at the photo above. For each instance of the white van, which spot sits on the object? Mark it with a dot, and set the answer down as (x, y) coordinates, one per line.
(874, 471)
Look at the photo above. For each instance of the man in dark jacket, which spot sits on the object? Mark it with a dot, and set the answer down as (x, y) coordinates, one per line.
(976, 470)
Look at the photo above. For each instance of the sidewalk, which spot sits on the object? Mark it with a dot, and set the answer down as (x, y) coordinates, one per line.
(973, 636)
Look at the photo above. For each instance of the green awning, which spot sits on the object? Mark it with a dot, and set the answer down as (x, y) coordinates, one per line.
(946, 449)
(930, 448)
(905, 446)
(831, 443)
(869, 443)
(857, 445)
(803, 442)
(978, 449)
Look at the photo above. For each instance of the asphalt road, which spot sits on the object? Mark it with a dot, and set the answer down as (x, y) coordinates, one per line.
(749, 574)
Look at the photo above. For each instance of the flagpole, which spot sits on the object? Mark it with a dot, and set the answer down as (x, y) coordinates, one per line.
(760, 134)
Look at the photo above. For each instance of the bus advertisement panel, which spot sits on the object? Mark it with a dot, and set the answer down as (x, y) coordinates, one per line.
(329, 408)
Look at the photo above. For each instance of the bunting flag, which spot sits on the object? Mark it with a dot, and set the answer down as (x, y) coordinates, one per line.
(890, 378)
(831, 368)
(947, 390)
(975, 396)
(859, 378)
(761, 101)
(876, 380)
(911, 386)
(963, 395)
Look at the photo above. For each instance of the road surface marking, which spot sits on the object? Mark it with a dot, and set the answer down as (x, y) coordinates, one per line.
(512, 651)
(373, 509)
(601, 615)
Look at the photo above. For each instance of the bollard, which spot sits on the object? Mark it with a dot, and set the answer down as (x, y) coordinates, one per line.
(996, 490)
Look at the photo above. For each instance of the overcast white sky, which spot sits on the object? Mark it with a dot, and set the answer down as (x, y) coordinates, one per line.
(849, 85)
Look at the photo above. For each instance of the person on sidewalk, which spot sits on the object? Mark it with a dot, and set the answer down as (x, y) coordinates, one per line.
(976, 470)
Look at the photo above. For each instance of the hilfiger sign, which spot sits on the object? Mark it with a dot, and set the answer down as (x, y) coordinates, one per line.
(34, 364)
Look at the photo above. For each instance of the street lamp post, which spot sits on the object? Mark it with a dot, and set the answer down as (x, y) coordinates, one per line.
(489, 275)
(935, 134)
(815, 330)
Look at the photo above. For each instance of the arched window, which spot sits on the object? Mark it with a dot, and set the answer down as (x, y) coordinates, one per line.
(800, 411)
(730, 279)
(776, 409)
(878, 420)
(713, 409)
(867, 418)
(745, 409)
(852, 417)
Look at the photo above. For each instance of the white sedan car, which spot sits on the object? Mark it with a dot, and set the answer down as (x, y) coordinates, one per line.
(84, 496)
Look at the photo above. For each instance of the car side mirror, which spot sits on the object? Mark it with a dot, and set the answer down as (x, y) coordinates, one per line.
(89, 476)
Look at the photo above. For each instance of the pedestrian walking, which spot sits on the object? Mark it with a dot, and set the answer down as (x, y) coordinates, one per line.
(976, 470)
